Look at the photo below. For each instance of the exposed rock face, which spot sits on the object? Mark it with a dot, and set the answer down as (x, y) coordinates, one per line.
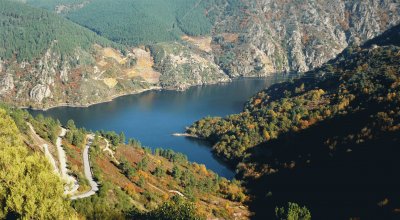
(78, 79)
(65, 8)
(297, 35)
(182, 67)
(6, 83)
(250, 38)
(39, 92)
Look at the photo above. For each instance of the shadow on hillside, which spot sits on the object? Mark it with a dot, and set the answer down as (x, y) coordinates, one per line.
(334, 184)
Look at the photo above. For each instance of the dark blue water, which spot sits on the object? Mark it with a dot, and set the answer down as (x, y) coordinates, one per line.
(152, 117)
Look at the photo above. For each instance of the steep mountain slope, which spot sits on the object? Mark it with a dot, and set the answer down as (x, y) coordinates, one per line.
(26, 34)
(28, 187)
(47, 60)
(134, 181)
(283, 36)
(250, 38)
(186, 43)
(326, 140)
(136, 22)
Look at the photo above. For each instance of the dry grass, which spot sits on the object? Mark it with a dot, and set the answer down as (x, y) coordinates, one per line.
(102, 63)
(110, 82)
(203, 43)
(231, 38)
(115, 65)
(111, 172)
(143, 67)
(112, 53)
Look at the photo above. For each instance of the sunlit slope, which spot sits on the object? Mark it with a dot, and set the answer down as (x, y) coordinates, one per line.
(26, 32)
(137, 22)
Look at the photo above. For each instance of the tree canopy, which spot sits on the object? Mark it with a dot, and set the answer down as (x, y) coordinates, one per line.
(28, 187)
(140, 21)
(26, 33)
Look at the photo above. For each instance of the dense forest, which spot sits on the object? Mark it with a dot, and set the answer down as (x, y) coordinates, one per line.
(321, 139)
(26, 33)
(145, 22)
(142, 22)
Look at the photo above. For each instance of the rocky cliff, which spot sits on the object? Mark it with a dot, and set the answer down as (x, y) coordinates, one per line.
(261, 37)
(248, 38)
(46, 61)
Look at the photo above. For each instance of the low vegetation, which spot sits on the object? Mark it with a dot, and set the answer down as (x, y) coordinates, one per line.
(135, 182)
(150, 179)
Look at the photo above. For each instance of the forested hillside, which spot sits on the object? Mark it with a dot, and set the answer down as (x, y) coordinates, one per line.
(138, 22)
(28, 188)
(324, 138)
(57, 5)
(26, 34)
(47, 60)
(203, 42)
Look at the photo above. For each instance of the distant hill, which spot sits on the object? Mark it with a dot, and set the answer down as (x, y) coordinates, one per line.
(46, 60)
(26, 33)
(191, 42)
(137, 22)
(249, 37)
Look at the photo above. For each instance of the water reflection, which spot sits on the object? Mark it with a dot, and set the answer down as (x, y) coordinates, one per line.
(151, 117)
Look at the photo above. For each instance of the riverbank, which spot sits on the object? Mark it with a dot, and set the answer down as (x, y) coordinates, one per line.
(152, 117)
(274, 77)
(109, 99)
(113, 97)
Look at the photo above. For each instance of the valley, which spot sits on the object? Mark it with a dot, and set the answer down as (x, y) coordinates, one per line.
(199, 109)
(162, 113)
(182, 44)
(132, 180)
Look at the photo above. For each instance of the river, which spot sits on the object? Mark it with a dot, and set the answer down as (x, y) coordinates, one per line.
(153, 116)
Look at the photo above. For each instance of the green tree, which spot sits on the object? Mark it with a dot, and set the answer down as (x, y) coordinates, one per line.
(71, 125)
(292, 212)
(122, 137)
(159, 172)
(175, 209)
(143, 164)
(176, 172)
(28, 187)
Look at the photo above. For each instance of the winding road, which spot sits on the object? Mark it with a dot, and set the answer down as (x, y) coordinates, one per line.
(44, 147)
(88, 171)
(72, 184)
